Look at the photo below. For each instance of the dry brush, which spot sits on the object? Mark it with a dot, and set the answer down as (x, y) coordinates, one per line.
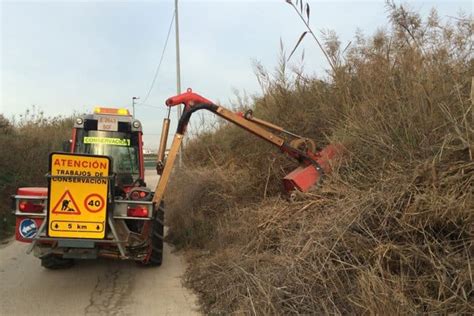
(390, 232)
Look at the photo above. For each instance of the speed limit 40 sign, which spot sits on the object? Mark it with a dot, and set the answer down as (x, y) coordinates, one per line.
(94, 203)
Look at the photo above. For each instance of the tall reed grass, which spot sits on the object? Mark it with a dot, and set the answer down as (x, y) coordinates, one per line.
(390, 231)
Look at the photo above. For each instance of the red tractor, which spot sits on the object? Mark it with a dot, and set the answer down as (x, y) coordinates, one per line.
(97, 203)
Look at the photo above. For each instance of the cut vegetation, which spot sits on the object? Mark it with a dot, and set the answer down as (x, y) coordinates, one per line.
(390, 231)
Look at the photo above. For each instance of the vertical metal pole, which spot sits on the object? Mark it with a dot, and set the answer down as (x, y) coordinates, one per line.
(178, 66)
(133, 107)
(178, 69)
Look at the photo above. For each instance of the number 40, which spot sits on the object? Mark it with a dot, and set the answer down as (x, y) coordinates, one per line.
(95, 203)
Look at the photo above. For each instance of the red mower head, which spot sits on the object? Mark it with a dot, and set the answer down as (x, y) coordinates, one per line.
(305, 177)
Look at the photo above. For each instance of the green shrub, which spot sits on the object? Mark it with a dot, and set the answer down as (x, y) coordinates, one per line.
(26, 144)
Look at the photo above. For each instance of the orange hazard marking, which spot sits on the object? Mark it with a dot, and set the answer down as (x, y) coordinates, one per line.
(64, 205)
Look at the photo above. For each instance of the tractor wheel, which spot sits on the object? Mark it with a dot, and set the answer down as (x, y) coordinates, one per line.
(55, 262)
(156, 237)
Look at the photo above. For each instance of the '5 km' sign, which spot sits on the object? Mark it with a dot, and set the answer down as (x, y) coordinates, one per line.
(78, 188)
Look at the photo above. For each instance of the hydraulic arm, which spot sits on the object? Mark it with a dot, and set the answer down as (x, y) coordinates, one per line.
(312, 165)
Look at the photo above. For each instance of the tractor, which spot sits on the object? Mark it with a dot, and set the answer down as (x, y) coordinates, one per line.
(97, 203)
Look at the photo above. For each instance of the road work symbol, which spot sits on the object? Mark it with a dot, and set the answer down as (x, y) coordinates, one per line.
(66, 205)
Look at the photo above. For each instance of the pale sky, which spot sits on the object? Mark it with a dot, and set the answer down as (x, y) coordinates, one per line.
(70, 56)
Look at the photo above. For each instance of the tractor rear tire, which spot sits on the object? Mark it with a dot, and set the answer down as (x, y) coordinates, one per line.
(156, 237)
(55, 262)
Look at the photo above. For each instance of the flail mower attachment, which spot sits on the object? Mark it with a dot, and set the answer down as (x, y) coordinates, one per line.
(312, 164)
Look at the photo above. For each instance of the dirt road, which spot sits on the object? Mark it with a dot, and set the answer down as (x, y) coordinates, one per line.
(92, 287)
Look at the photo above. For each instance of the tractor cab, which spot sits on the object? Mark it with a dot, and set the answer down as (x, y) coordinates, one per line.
(114, 133)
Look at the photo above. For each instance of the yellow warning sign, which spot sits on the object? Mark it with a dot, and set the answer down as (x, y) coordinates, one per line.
(77, 206)
(66, 205)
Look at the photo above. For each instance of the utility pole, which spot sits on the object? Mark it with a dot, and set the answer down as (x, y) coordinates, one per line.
(178, 70)
(133, 105)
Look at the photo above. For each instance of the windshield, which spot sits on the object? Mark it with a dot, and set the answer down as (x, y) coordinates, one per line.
(121, 147)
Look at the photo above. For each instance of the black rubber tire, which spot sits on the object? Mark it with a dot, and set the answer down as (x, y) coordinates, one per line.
(156, 236)
(55, 262)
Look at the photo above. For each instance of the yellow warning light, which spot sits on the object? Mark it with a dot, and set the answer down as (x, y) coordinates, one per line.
(111, 111)
(123, 112)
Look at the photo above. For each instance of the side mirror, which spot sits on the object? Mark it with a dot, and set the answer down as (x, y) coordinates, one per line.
(67, 145)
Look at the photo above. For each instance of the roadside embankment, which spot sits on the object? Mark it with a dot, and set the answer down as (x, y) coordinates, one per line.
(389, 232)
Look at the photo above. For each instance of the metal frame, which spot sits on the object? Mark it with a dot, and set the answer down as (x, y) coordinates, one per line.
(165, 176)
(40, 235)
(111, 224)
(114, 233)
(43, 214)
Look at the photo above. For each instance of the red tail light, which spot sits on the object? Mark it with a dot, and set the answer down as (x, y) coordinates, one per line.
(135, 195)
(30, 207)
(137, 211)
(138, 195)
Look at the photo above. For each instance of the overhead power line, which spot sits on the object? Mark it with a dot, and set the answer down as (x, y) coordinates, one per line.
(161, 60)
